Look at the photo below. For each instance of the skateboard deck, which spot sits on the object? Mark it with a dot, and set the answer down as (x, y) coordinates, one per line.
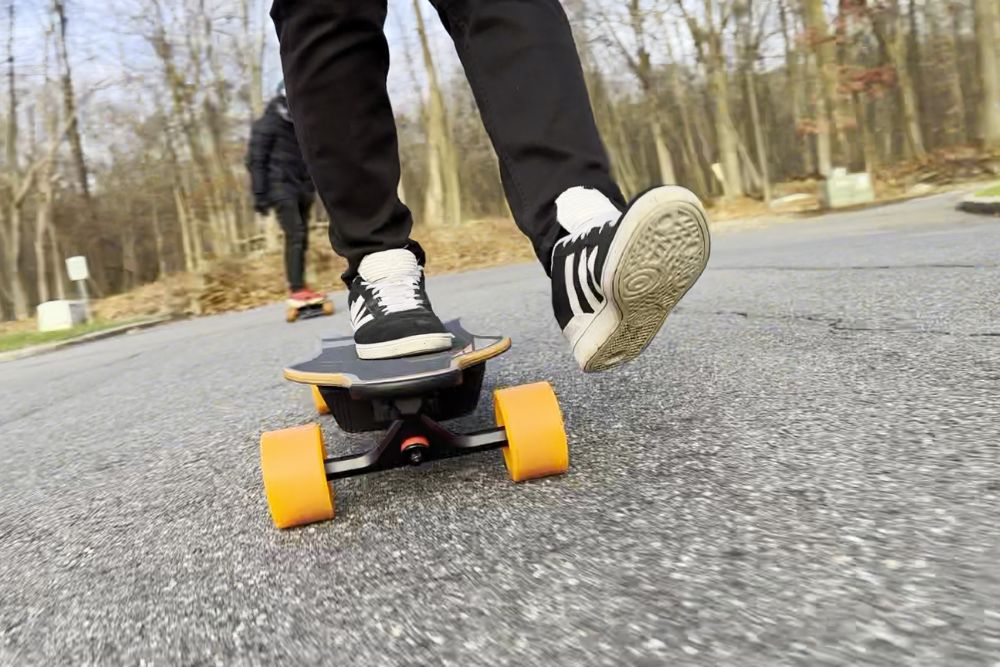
(408, 398)
(338, 365)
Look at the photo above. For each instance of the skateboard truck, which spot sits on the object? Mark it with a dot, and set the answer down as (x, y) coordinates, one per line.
(411, 441)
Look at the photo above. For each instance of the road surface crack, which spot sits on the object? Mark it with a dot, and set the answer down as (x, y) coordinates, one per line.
(841, 324)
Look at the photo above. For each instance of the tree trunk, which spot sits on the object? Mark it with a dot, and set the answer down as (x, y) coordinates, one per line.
(58, 277)
(130, 264)
(989, 71)
(887, 24)
(443, 200)
(911, 113)
(758, 135)
(828, 103)
(69, 104)
(824, 142)
(161, 261)
(187, 242)
(622, 162)
(868, 147)
(961, 71)
(184, 115)
(19, 295)
(43, 214)
(253, 52)
(19, 184)
(43, 211)
(914, 56)
(946, 50)
(725, 132)
(908, 95)
(642, 68)
(694, 164)
(665, 163)
(795, 84)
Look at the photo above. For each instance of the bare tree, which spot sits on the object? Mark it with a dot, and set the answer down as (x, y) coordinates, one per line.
(69, 101)
(768, 95)
(638, 59)
(751, 53)
(45, 178)
(987, 34)
(825, 71)
(18, 185)
(795, 83)
(708, 38)
(682, 99)
(443, 196)
(888, 24)
(253, 56)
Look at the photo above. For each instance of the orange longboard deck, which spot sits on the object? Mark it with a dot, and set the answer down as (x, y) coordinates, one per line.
(338, 365)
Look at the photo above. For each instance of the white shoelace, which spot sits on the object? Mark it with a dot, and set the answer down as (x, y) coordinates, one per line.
(394, 278)
(397, 293)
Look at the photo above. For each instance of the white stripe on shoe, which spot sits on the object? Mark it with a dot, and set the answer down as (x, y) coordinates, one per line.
(586, 265)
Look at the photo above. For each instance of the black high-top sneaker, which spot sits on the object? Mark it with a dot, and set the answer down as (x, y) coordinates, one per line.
(390, 312)
(614, 281)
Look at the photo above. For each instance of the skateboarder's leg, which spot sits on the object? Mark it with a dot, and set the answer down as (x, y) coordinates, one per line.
(523, 66)
(616, 272)
(305, 207)
(296, 237)
(335, 60)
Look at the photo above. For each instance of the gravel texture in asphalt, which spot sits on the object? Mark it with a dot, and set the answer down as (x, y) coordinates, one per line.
(803, 468)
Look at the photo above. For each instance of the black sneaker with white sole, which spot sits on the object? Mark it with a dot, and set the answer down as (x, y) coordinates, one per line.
(390, 313)
(614, 283)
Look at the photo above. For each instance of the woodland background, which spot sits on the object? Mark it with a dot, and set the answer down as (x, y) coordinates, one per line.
(123, 124)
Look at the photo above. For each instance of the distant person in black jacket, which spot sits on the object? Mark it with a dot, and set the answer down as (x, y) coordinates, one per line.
(280, 181)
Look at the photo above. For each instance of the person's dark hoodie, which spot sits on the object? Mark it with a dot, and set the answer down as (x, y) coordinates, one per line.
(277, 170)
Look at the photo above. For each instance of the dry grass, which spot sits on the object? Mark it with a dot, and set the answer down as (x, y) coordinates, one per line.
(241, 284)
(247, 283)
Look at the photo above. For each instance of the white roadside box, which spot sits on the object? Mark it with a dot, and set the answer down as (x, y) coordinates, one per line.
(61, 314)
(843, 189)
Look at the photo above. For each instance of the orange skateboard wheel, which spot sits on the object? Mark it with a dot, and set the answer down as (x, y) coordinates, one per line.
(328, 308)
(291, 314)
(291, 462)
(319, 402)
(536, 440)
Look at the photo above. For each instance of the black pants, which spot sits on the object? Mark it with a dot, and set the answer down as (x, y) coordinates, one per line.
(522, 63)
(293, 214)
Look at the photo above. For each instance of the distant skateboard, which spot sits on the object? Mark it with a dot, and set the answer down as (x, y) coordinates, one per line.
(303, 310)
(407, 398)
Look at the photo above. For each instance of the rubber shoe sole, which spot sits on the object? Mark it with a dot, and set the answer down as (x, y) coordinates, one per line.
(405, 347)
(660, 250)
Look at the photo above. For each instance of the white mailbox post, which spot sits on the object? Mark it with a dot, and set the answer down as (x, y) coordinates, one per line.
(76, 268)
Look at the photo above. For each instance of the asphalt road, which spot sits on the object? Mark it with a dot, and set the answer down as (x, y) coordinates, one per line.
(802, 469)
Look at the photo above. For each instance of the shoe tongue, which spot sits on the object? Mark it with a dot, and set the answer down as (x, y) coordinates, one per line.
(579, 209)
(387, 263)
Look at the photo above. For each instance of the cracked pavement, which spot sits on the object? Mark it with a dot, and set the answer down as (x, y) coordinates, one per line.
(803, 469)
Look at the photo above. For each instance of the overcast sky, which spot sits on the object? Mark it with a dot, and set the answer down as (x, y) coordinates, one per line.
(100, 40)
